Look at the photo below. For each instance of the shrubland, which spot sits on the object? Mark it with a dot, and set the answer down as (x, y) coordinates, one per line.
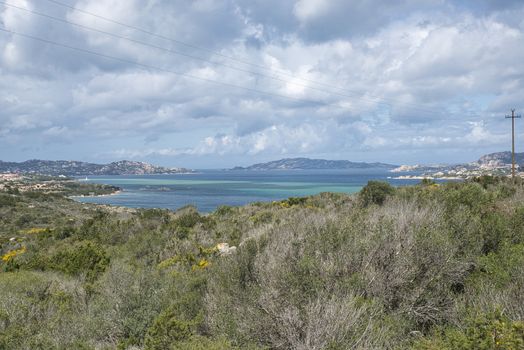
(431, 266)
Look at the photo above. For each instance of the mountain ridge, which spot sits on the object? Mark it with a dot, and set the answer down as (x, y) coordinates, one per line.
(310, 164)
(78, 168)
(499, 159)
(497, 163)
(126, 167)
(490, 161)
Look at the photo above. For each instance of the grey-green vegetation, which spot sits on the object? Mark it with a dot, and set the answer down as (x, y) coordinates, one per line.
(422, 267)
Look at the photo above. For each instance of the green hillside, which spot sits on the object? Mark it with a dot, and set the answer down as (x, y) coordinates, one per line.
(422, 267)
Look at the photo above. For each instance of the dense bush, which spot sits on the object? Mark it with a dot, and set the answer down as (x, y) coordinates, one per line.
(7, 200)
(181, 320)
(432, 266)
(375, 192)
(40, 311)
(168, 329)
(485, 332)
(82, 258)
(327, 277)
(203, 343)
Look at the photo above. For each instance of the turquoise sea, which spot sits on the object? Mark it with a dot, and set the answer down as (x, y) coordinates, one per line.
(208, 189)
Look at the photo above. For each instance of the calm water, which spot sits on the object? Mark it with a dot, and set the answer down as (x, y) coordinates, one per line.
(209, 189)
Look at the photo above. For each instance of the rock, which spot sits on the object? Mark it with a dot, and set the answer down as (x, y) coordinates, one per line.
(417, 334)
(225, 249)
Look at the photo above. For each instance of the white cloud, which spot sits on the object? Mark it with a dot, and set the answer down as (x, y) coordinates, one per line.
(14, 19)
(11, 55)
(309, 9)
(480, 135)
(125, 11)
(276, 139)
(56, 133)
(416, 76)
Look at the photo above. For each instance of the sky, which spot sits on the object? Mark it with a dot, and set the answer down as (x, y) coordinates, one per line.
(221, 83)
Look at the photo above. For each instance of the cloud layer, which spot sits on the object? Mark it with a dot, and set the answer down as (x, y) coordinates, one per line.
(232, 82)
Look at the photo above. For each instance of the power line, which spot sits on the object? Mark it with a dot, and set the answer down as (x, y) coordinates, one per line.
(217, 53)
(139, 42)
(151, 67)
(145, 31)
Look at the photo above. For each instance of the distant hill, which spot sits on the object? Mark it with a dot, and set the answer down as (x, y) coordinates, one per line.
(74, 168)
(307, 163)
(500, 159)
(495, 164)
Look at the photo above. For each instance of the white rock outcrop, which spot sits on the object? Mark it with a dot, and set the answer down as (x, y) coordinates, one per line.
(225, 249)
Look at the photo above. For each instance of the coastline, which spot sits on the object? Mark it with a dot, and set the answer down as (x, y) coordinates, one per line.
(81, 178)
(419, 177)
(96, 195)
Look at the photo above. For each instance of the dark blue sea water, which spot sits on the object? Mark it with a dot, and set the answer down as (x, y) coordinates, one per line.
(209, 189)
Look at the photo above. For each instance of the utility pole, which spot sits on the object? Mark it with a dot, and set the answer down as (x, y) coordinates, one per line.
(513, 117)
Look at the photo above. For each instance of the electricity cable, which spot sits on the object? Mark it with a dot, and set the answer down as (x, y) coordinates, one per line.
(151, 67)
(218, 53)
(175, 52)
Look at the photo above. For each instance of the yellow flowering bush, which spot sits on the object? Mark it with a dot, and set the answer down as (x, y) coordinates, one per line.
(202, 264)
(189, 259)
(35, 230)
(12, 254)
(207, 251)
(169, 262)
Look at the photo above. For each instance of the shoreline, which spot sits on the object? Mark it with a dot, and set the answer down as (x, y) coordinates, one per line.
(419, 177)
(81, 178)
(96, 195)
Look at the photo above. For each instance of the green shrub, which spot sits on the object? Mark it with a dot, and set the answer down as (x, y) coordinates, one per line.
(427, 182)
(291, 201)
(126, 300)
(24, 220)
(262, 217)
(504, 266)
(161, 215)
(169, 329)
(84, 257)
(63, 232)
(375, 192)
(494, 231)
(203, 343)
(7, 200)
(469, 194)
(485, 332)
(390, 268)
(487, 180)
(188, 219)
(180, 321)
(43, 311)
(517, 226)
(225, 210)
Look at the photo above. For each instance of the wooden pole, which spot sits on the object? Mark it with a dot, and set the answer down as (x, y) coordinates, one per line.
(513, 116)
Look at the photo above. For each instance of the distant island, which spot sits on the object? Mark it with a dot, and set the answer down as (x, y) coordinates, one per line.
(498, 163)
(310, 164)
(76, 168)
